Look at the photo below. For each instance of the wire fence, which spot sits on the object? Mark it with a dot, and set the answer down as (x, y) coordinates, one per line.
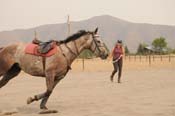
(150, 58)
(130, 62)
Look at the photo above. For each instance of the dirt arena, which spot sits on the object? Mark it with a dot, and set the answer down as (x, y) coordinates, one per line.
(146, 90)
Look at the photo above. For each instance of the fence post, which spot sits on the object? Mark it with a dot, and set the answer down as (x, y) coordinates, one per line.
(149, 59)
(135, 57)
(140, 57)
(169, 57)
(161, 57)
(83, 63)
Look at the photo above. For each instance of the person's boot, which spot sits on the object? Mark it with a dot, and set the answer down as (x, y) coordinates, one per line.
(111, 78)
(119, 81)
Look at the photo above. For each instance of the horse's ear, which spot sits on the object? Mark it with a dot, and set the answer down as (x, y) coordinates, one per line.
(96, 30)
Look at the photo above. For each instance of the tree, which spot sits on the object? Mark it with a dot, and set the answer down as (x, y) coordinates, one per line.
(86, 54)
(169, 50)
(159, 44)
(173, 51)
(126, 50)
(141, 48)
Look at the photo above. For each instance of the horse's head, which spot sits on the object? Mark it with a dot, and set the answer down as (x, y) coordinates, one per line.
(96, 45)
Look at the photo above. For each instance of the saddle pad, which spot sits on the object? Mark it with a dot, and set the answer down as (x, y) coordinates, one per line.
(32, 49)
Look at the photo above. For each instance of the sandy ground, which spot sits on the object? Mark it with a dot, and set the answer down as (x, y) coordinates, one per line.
(145, 91)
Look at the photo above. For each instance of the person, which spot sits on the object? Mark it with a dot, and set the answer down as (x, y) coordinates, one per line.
(117, 58)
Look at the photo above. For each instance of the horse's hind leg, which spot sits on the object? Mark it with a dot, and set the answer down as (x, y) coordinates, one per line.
(10, 74)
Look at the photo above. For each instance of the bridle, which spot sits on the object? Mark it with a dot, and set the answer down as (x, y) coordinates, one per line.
(97, 47)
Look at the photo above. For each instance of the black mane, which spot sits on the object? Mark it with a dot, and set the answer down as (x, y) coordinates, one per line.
(75, 36)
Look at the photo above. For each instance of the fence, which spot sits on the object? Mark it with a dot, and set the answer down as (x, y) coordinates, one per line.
(130, 62)
(150, 58)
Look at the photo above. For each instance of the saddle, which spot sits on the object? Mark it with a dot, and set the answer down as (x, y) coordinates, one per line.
(44, 47)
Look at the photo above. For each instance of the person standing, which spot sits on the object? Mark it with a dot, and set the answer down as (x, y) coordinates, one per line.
(117, 58)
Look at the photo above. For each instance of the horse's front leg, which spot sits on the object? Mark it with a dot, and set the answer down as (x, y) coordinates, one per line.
(44, 96)
(36, 97)
(50, 82)
(45, 99)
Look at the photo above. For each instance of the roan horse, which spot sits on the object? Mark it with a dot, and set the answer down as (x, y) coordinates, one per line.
(13, 59)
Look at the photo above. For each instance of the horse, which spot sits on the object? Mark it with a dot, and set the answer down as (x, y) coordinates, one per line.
(13, 59)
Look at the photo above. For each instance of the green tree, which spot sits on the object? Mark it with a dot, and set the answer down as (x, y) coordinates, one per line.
(159, 44)
(141, 48)
(173, 51)
(169, 50)
(86, 54)
(126, 50)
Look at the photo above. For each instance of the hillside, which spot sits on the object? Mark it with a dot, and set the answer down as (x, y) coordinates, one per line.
(110, 29)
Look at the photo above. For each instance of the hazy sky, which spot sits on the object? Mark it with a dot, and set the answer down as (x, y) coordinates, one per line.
(31, 13)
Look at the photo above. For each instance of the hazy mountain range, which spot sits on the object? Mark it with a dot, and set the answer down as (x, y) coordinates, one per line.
(110, 28)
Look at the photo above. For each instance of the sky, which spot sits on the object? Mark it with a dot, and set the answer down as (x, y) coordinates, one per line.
(21, 14)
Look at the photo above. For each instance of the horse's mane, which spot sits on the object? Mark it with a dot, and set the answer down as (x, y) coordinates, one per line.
(74, 36)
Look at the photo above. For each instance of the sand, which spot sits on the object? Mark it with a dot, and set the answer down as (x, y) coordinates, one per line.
(145, 91)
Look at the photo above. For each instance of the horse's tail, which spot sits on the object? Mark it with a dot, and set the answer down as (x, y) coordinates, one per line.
(8, 67)
(7, 58)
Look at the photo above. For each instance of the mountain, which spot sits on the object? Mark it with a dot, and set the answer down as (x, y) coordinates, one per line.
(110, 28)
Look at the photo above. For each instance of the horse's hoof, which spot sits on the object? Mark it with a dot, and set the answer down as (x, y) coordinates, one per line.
(43, 107)
(46, 111)
(29, 100)
(119, 82)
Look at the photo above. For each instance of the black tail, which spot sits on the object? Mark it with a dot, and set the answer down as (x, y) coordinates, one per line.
(10, 74)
